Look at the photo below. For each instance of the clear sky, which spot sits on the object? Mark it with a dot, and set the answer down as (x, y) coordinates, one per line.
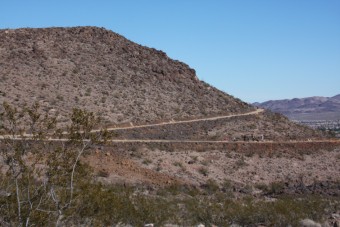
(255, 50)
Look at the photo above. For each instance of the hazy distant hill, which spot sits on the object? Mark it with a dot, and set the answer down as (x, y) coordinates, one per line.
(312, 108)
(98, 70)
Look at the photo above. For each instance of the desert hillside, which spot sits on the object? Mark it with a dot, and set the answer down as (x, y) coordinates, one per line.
(101, 71)
(177, 151)
(125, 83)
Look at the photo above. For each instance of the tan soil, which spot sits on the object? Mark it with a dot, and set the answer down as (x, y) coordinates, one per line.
(162, 167)
(123, 170)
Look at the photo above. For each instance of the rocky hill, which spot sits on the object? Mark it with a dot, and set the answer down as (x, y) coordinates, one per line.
(98, 70)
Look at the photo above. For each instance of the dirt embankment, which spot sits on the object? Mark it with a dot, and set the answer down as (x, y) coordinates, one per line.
(294, 148)
(293, 168)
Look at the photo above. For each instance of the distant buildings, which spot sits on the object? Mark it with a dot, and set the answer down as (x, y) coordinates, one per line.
(326, 125)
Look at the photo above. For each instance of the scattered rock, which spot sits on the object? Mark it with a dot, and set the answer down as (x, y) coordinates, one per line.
(235, 225)
(336, 216)
(309, 223)
(123, 225)
(4, 194)
(335, 220)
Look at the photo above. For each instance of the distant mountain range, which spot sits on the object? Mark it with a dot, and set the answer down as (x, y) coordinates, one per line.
(311, 108)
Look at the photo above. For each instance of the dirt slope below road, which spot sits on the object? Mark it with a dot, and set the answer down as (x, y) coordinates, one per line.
(197, 164)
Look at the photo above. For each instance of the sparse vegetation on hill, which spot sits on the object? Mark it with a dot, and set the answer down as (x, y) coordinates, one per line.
(101, 71)
(125, 83)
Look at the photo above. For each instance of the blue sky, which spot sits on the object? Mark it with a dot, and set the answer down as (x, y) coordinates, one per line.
(254, 50)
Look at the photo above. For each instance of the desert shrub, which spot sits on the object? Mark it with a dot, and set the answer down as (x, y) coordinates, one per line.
(60, 97)
(211, 186)
(202, 210)
(249, 212)
(88, 91)
(152, 210)
(104, 206)
(147, 161)
(178, 164)
(205, 162)
(276, 188)
(204, 171)
(103, 173)
(261, 186)
(42, 176)
(240, 163)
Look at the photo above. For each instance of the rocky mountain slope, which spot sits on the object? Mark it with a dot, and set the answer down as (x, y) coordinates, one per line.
(322, 108)
(100, 71)
(96, 69)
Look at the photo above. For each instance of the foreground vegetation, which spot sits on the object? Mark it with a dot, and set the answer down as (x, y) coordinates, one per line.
(43, 183)
(100, 205)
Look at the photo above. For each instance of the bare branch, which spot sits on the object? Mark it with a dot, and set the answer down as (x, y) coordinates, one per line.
(18, 200)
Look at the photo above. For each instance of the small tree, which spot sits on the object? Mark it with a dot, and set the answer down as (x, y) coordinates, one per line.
(41, 167)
